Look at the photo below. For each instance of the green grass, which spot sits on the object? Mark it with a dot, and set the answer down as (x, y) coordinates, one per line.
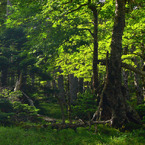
(37, 136)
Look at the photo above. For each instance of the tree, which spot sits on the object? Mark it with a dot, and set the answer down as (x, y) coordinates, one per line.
(113, 104)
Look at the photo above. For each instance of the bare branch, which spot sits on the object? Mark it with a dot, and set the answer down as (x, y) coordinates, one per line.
(29, 99)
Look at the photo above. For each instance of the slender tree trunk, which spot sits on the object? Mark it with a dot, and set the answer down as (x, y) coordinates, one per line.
(137, 79)
(61, 88)
(80, 85)
(143, 81)
(138, 86)
(113, 104)
(8, 4)
(18, 83)
(73, 88)
(61, 96)
(95, 50)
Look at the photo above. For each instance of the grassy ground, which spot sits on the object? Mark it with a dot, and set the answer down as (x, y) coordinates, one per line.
(50, 110)
(37, 136)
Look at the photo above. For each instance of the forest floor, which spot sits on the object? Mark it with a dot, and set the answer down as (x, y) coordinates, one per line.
(29, 133)
(47, 136)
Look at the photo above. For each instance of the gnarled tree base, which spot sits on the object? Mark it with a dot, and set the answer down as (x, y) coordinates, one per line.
(113, 105)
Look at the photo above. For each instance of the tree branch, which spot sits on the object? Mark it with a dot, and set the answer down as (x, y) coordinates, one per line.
(127, 66)
(87, 30)
(77, 8)
(31, 103)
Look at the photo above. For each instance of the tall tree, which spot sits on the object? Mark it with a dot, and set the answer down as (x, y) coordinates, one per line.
(113, 104)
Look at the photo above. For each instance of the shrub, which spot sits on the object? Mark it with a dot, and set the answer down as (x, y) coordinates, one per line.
(141, 110)
(85, 106)
(12, 110)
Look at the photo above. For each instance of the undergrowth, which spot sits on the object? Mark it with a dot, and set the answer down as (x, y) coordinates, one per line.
(47, 136)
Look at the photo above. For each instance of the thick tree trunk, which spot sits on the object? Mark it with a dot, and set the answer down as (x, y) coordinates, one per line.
(125, 75)
(113, 103)
(125, 89)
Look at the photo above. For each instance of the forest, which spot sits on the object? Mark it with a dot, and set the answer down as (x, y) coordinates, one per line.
(72, 72)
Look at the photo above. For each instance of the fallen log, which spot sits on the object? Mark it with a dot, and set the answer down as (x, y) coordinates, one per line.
(60, 126)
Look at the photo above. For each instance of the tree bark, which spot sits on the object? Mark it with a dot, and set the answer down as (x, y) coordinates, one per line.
(143, 81)
(61, 96)
(95, 50)
(80, 85)
(125, 84)
(61, 88)
(113, 103)
(8, 4)
(138, 85)
(73, 88)
(18, 83)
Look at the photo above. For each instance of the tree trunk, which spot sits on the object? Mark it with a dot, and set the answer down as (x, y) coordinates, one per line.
(125, 84)
(8, 4)
(143, 81)
(138, 86)
(137, 79)
(61, 96)
(61, 88)
(73, 88)
(80, 85)
(18, 83)
(95, 50)
(113, 103)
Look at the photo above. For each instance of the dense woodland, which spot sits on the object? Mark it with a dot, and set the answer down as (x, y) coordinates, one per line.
(66, 64)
